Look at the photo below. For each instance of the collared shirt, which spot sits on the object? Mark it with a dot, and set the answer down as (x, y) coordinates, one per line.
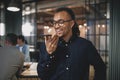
(71, 61)
(25, 50)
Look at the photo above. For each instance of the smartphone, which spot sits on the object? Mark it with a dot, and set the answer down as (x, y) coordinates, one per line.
(45, 35)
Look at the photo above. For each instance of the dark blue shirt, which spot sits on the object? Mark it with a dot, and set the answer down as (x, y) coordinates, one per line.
(71, 61)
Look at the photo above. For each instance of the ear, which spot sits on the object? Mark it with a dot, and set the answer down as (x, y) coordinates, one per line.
(72, 23)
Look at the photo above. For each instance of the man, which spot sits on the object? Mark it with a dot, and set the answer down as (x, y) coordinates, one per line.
(66, 56)
(23, 47)
(12, 59)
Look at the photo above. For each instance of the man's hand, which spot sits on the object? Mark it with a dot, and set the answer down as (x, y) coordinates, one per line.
(51, 43)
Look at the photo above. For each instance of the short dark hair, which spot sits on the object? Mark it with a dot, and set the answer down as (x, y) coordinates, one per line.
(68, 10)
(12, 38)
(75, 29)
(21, 37)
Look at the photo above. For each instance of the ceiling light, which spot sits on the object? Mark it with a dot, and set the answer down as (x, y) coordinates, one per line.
(14, 9)
(13, 6)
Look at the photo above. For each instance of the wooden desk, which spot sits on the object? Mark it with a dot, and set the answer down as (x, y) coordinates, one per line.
(31, 73)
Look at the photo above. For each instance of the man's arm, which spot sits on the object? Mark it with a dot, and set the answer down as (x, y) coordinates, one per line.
(21, 62)
(46, 64)
(97, 62)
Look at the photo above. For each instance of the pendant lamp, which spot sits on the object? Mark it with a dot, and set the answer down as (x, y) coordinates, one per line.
(14, 6)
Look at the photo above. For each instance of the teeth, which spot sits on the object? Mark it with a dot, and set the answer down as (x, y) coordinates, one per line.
(58, 30)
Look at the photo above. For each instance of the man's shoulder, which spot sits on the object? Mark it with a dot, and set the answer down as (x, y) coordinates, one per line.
(10, 50)
(83, 40)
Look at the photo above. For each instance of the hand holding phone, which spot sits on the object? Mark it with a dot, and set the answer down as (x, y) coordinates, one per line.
(51, 43)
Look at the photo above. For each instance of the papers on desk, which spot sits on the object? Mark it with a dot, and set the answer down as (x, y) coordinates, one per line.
(33, 66)
(32, 70)
(26, 63)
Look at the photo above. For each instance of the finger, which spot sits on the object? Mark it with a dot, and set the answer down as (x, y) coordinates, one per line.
(47, 37)
(54, 44)
(54, 39)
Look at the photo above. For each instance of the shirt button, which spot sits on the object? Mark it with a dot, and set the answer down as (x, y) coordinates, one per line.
(66, 44)
(51, 57)
(67, 56)
(47, 65)
(60, 41)
(67, 68)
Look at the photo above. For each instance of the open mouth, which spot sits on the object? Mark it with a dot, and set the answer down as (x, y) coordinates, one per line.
(59, 31)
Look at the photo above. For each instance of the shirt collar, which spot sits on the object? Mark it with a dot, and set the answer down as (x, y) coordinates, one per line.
(62, 41)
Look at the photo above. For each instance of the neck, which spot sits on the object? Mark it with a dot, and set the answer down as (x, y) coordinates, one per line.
(67, 37)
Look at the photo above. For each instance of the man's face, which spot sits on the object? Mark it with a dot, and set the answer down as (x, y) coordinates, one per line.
(19, 41)
(63, 24)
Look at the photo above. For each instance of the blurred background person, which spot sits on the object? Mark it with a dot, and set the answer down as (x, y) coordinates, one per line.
(23, 47)
(12, 59)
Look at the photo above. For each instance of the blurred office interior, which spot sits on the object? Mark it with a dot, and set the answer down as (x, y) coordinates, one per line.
(98, 22)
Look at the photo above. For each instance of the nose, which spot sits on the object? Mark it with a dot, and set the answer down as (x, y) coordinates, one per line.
(56, 26)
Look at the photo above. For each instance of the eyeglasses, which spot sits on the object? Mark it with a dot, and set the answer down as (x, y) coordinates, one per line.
(60, 22)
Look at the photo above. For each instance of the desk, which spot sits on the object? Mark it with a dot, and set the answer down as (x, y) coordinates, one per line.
(31, 73)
